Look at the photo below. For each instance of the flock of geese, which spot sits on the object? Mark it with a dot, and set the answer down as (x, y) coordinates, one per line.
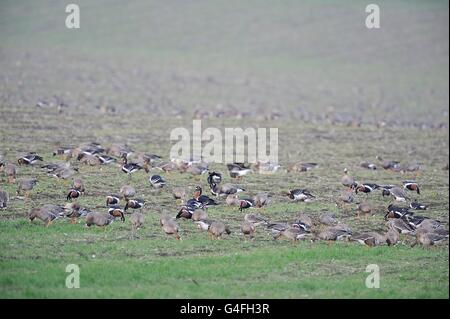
(400, 219)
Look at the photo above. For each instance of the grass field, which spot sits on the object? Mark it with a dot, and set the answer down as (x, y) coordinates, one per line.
(154, 66)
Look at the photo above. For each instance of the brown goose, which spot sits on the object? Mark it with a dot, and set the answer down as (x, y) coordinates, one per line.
(261, 200)
(4, 199)
(26, 186)
(364, 209)
(347, 180)
(248, 229)
(137, 220)
(217, 229)
(169, 227)
(10, 171)
(127, 191)
(99, 219)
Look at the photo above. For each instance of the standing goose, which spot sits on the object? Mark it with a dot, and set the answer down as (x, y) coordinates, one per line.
(78, 185)
(248, 229)
(386, 164)
(199, 214)
(347, 180)
(130, 168)
(137, 220)
(426, 238)
(203, 199)
(26, 186)
(331, 234)
(237, 171)
(169, 227)
(214, 178)
(47, 213)
(4, 199)
(369, 239)
(10, 171)
(417, 206)
(396, 212)
(185, 212)
(179, 193)
(232, 200)
(292, 233)
(366, 188)
(392, 237)
(364, 209)
(246, 203)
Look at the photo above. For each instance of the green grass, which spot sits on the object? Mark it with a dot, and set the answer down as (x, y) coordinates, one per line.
(111, 266)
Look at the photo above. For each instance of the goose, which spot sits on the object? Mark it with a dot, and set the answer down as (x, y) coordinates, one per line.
(426, 238)
(199, 214)
(203, 199)
(364, 209)
(117, 212)
(47, 213)
(4, 199)
(347, 180)
(366, 188)
(157, 181)
(368, 165)
(225, 189)
(248, 229)
(396, 192)
(73, 194)
(105, 159)
(127, 191)
(301, 167)
(232, 200)
(417, 206)
(10, 172)
(396, 212)
(137, 220)
(292, 233)
(392, 165)
(369, 239)
(134, 204)
(78, 185)
(214, 178)
(412, 186)
(256, 219)
(112, 200)
(246, 203)
(261, 200)
(169, 227)
(26, 186)
(217, 229)
(179, 193)
(301, 195)
(237, 171)
(99, 219)
(331, 234)
(400, 226)
(29, 159)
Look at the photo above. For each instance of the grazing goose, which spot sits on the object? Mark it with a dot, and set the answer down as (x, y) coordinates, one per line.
(64, 173)
(64, 151)
(369, 239)
(29, 159)
(196, 169)
(127, 191)
(292, 233)
(237, 171)
(301, 195)
(430, 224)
(392, 165)
(117, 212)
(245, 204)
(396, 212)
(52, 167)
(169, 227)
(47, 213)
(328, 220)
(368, 165)
(185, 212)
(98, 219)
(301, 167)
(366, 188)
(400, 226)
(73, 194)
(134, 204)
(137, 220)
(119, 150)
(233, 200)
(73, 212)
(4, 199)
(426, 238)
(130, 168)
(248, 229)
(157, 181)
(266, 167)
(256, 219)
(204, 224)
(364, 209)
(26, 186)
(225, 189)
(105, 159)
(112, 200)
(347, 180)
(88, 159)
(392, 237)
(199, 214)
(411, 167)
(214, 178)
(417, 206)
(331, 234)
(415, 221)
(412, 186)
(346, 197)
(261, 200)
(396, 192)
(217, 229)
(304, 221)
(167, 167)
